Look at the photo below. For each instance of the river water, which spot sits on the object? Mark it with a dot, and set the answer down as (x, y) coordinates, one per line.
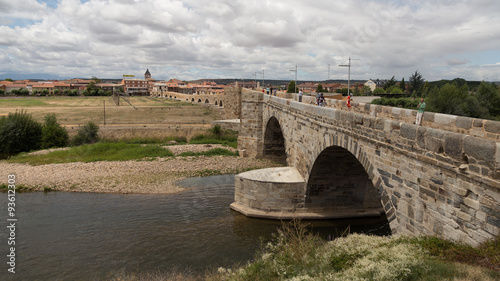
(88, 236)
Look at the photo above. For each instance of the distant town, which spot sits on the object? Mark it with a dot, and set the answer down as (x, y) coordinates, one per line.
(131, 85)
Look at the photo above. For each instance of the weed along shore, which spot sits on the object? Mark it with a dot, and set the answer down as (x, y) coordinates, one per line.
(147, 176)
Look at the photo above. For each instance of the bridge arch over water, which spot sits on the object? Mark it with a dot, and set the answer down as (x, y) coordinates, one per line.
(442, 178)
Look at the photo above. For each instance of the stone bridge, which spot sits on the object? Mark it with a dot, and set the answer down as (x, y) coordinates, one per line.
(442, 178)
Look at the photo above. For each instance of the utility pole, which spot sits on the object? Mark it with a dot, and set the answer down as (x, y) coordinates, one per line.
(295, 70)
(104, 104)
(348, 65)
(255, 79)
(263, 79)
(328, 72)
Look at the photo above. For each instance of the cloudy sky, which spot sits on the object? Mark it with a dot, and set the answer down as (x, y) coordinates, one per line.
(193, 39)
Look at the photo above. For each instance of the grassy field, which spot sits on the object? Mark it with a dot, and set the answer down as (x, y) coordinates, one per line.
(74, 111)
(154, 117)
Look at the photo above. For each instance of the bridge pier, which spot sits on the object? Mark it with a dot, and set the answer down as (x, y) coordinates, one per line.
(280, 193)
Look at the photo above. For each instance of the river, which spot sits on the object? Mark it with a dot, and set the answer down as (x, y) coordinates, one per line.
(89, 236)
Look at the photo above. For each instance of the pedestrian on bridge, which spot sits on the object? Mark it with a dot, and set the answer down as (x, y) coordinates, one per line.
(420, 112)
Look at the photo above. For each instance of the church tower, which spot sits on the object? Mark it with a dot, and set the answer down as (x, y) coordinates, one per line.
(147, 75)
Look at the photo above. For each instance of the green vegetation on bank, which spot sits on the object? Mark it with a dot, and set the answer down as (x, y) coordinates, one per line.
(172, 140)
(216, 135)
(295, 254)
(211, 152)
(95, 152)
(19, 132)
(124, 150)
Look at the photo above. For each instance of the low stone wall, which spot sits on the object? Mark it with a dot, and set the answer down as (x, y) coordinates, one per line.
(487, 129)
(233, 124)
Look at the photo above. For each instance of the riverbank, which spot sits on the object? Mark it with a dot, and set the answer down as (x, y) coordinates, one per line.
(141, 177)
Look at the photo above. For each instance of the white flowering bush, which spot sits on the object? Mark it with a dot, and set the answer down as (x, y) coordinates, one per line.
(295, 255)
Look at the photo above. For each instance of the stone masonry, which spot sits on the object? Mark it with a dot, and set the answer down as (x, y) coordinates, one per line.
(442, 178)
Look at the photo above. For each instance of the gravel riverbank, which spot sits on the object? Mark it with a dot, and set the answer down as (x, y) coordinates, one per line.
(158, 176)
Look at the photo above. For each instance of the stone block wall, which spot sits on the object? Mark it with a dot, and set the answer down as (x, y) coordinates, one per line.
(251, 128)
(430, 180)
(482, 128)
(232, 103)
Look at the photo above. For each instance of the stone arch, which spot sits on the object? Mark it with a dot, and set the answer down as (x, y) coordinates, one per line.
(220, 103)
(207, 101)
(274, 142)
(192, 99)
(216, 103)
(341, 181)
(199, 100)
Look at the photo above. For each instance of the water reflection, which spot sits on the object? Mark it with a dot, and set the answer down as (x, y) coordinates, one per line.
(81, 236)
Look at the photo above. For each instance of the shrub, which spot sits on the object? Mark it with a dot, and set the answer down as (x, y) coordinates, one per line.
(53, 134)
(216, 130)
(19, 132)
(87, 134)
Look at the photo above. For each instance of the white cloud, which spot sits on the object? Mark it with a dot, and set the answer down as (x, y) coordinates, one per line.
(194, 39)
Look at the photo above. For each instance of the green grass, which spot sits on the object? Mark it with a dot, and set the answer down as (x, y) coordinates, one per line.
(95, 152)
(211, 152)
(21, 102)
(149, 140)
(487, 255)
(227, 138)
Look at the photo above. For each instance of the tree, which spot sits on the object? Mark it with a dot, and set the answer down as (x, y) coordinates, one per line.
(489, 96)
(367, 91)
(378, 91)
(402, 85)
(455, 100)
(416, 84)
(291, 87)
(390, 83)
(19, 132)
(319, 89)
(9, 79)
(53, 134)
(87, 134)
(394, 90)
(96, 80)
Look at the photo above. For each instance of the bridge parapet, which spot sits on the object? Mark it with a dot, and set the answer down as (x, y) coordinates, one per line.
(482, 128)
(480, 154)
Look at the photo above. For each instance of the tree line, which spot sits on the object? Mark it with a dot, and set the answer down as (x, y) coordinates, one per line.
(456, 97)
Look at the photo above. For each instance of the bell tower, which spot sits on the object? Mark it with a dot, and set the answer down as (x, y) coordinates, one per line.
(147, 75)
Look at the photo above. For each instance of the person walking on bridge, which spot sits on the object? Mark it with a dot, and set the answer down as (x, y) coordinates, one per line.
(420, 112)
